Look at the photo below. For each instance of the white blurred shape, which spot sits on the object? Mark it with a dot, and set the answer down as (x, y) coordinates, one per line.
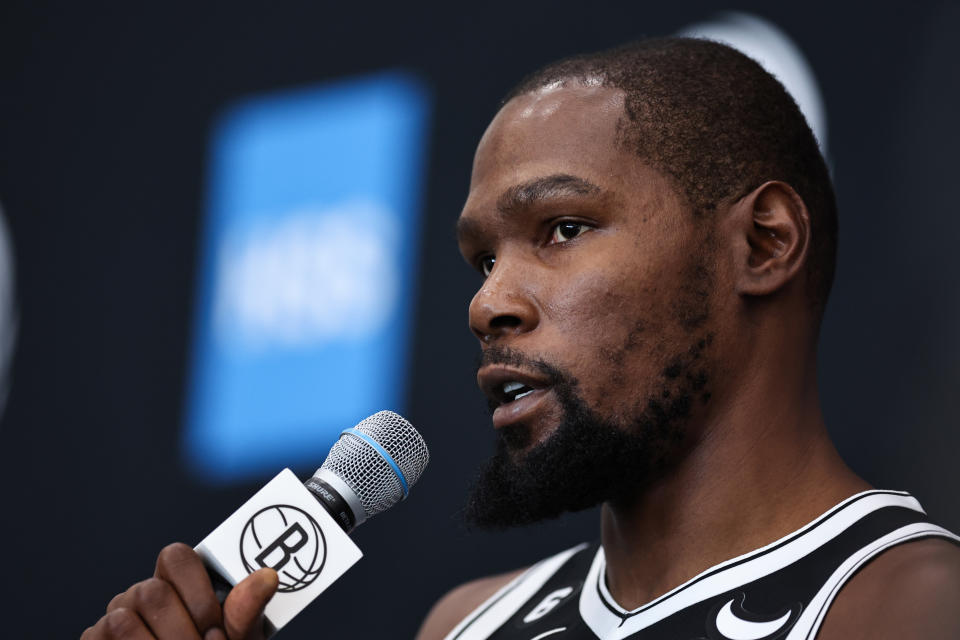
(776, 53)
(308, 277)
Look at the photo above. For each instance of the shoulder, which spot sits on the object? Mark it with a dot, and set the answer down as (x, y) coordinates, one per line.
(459, 603)
(909, 591)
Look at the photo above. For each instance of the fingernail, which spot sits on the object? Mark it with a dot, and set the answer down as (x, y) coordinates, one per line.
(215, 633)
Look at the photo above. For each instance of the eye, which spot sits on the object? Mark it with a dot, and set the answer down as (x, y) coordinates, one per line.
(565, 231)
(486, 265)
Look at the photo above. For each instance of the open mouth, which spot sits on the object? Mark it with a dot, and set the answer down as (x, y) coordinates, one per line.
(515, 394)
(513, 390)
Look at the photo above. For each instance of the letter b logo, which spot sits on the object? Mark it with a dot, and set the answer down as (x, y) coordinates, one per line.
(286, 539)
(284, 546)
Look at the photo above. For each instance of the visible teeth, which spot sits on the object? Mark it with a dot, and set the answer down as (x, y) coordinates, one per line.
(510, 387)
(525, 393)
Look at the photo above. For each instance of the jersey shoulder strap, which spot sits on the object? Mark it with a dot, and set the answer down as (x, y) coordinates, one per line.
(888, 529)
(503, 604)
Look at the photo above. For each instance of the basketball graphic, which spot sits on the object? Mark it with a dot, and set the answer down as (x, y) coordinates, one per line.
(287, 539)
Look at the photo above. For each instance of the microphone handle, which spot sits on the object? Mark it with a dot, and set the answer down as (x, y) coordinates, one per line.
(221, 588)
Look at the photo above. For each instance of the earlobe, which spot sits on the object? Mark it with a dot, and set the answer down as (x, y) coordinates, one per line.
(774, 226)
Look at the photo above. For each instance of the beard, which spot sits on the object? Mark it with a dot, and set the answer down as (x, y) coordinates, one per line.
(588, 459)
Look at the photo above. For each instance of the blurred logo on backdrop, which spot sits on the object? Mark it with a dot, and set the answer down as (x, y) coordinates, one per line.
(308, 273)
(317, 275)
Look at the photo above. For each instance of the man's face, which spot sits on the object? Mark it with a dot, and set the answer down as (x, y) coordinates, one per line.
(593, 312)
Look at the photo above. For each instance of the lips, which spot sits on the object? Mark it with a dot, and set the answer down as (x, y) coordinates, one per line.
(516, 394)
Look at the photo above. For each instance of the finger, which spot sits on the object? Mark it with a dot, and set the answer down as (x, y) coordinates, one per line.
(119, 623)
(160, 608)
(119, 600)
(183, 568)
(243, 608)
(215, 634)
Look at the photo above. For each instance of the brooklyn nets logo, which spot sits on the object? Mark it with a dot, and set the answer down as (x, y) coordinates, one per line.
(286, 539)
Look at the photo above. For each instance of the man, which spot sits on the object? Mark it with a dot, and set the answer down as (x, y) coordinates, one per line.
(656, 229)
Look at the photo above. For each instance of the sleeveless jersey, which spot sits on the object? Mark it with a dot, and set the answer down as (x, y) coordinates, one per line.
(779, 592)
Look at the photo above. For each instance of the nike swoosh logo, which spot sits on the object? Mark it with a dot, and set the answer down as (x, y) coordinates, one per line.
(735, 628)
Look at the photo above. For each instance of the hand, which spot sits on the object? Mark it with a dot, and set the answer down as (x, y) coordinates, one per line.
(178, 602)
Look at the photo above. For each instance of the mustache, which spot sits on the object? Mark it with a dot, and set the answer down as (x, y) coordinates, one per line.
(513, 357)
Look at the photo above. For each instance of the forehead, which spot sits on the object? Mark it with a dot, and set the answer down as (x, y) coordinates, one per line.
(568, 130)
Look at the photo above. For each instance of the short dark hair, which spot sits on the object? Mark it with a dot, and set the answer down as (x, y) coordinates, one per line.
(717, 123)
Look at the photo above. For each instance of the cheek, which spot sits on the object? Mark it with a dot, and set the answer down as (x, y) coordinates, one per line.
(609, 331)
(595, 296)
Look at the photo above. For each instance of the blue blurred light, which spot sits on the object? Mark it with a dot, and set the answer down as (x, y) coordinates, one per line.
(308, 273)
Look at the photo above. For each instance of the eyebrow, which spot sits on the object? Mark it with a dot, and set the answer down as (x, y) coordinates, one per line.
(538, 190)
(532, 192)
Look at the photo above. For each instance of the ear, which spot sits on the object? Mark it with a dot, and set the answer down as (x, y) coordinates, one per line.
(771, 227)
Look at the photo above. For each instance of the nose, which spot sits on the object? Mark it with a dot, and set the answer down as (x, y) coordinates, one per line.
(504, 306)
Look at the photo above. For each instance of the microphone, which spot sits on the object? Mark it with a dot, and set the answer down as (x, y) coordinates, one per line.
(370, 468)
(300, 529)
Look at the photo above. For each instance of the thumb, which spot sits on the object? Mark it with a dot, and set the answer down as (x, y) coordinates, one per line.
(243, 608)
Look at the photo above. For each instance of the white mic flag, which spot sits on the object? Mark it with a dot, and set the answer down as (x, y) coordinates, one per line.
(300, 530)
(282, 527)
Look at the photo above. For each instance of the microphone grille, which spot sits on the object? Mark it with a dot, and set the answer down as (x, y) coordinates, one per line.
(355, 458)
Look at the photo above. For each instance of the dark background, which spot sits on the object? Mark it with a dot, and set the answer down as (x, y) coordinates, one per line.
(104, 120)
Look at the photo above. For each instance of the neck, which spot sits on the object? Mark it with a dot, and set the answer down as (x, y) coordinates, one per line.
(763, 467)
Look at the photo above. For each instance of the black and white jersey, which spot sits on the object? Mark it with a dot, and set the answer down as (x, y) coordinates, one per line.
(779, 592)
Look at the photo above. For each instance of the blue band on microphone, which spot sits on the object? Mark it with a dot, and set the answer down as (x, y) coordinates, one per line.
(383, 454)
